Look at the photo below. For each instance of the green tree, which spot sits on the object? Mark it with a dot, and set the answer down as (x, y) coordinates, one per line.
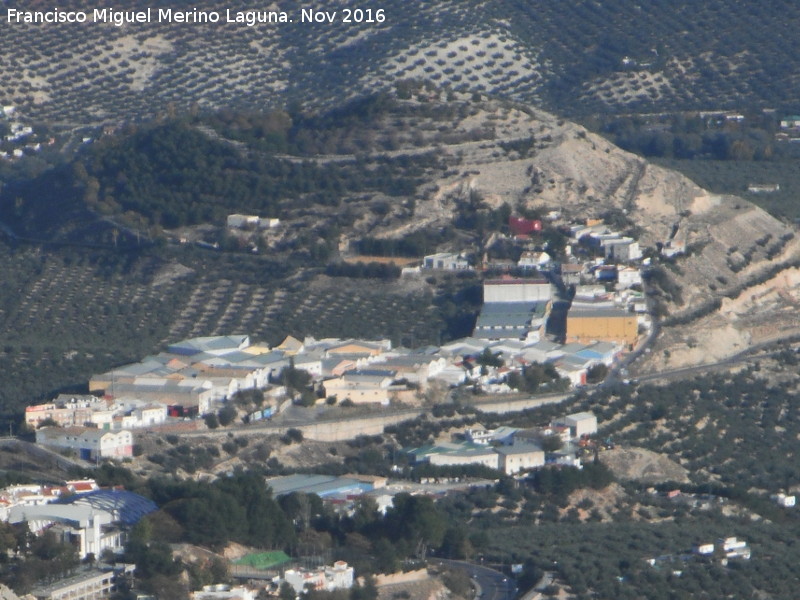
(416, 520)
(596, 373)
(367, 591)
(226, 415)
(297, 381)
(552, 443)
(386, 558)
(456, 544)
(287, 592)
(489, 359)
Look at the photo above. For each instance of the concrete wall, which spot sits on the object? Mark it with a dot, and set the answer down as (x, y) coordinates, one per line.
(350, 428)
(347, 430)
(490, 459)
(518, 404)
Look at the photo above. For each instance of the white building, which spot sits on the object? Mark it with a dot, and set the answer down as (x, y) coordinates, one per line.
(361, 387)
(784, 500)
(627, 277)
(571, 273)
(703, 549)
(487, 437)
(542, 351)
(415, 368)
(66, 410)
(485, 456)
(733, 547)
(519, 457)
(238, 221)
(85, 526)
(129, 413)
(516, 290)
(87, 443)
(453, 374)
(149, 415)
(456, 453)
(622, 249)
(241, 221)
(224, 592)
(268, 223)
(533, 260)
(574, 368)
(580, 424)
(445, 261)
(339, 576)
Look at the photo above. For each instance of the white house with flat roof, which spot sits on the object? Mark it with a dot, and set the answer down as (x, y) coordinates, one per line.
(445, 261)
(222, 591)
(519, 457)
(336, 577)
(627, 277)
(237, 221)
(88, 443)
(533, 260)
(622, 249)
(580, 424)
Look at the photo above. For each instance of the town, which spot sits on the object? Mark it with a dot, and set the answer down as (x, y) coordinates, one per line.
(459, 301)
(197, 377)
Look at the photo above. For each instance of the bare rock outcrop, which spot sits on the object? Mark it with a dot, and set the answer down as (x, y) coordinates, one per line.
(642, 465)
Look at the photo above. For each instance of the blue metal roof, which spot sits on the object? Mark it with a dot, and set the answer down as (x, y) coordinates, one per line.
(124, 505)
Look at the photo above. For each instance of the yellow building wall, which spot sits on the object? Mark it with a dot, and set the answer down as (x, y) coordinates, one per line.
(355, 349)
(624, 329)
(96, 384)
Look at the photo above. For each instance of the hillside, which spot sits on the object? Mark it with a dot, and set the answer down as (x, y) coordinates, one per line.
(581, 58)
(363, 147)
(456, 163)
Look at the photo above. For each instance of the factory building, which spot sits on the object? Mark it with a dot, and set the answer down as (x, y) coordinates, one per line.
(516, 290)
(604, 325)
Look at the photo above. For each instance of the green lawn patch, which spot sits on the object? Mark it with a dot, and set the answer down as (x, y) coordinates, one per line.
(264, 560)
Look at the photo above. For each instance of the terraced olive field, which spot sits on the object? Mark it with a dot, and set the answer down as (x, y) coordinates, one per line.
(342, 308)
(65, 315)
(578, 58)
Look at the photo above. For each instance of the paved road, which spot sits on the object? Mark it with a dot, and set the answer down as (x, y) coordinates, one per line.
(491, 584)
(752, 353)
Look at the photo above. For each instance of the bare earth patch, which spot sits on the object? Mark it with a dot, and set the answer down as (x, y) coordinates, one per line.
(643, 465)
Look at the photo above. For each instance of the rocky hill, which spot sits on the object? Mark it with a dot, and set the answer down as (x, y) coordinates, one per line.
(736, 283)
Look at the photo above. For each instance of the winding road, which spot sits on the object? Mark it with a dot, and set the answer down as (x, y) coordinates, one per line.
(489, 584)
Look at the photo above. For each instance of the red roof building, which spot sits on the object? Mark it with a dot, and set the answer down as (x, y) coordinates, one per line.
(522, 226)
